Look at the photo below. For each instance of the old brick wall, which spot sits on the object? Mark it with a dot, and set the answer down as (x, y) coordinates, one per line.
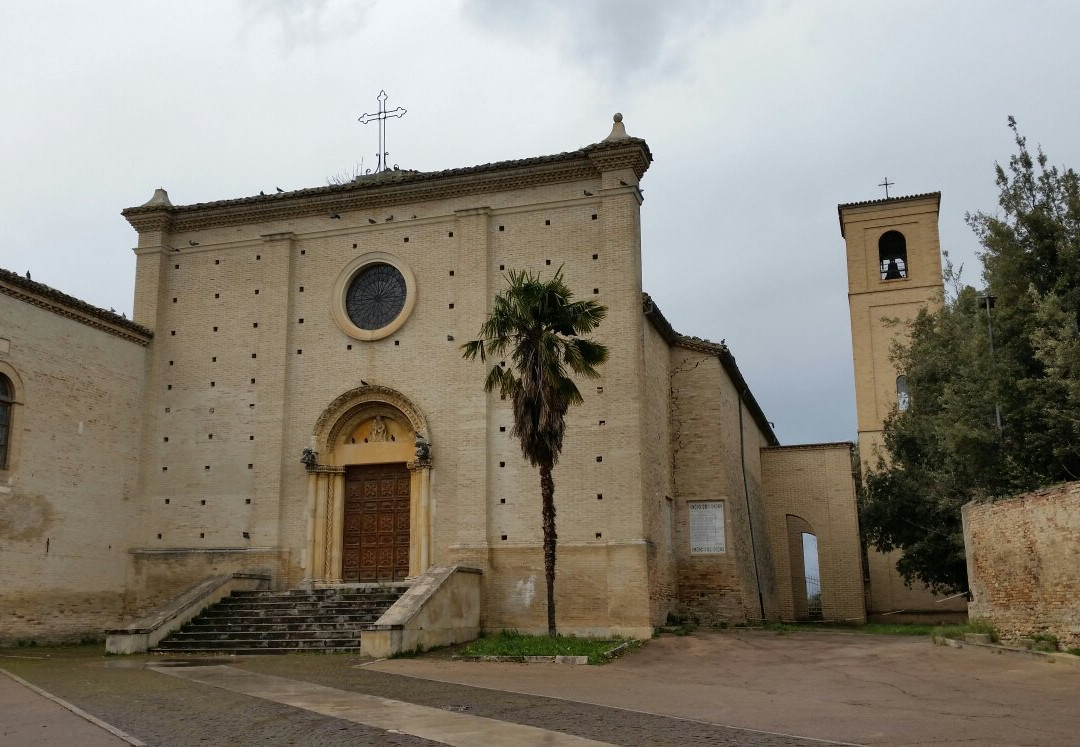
(67, 498)
(1023, 559)
(658, 491)
(811, 489)
(709, 459)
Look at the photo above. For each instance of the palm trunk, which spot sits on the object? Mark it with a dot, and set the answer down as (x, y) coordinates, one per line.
(547, 495)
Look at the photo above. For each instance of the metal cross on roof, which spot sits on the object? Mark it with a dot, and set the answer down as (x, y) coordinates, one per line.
(381, 117)
(886, 184)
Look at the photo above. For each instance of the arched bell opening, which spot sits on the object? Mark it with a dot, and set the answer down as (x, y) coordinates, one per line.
(892, 256)
(369, 490)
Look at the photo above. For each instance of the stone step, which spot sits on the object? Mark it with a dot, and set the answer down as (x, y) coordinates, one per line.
(259, 643)
(268, 651)
(259, 624)
(263, 635)
(279, 597)
(327, 605)
(322, 593)
(354, 616)
(281, 621)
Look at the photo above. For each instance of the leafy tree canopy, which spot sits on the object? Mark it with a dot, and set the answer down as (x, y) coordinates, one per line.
(946, 449)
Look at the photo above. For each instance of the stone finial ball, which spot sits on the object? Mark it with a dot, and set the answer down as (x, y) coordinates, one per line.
(617, 117)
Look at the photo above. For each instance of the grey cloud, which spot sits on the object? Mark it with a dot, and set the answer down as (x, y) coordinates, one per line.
(620, 37)
(307, 22)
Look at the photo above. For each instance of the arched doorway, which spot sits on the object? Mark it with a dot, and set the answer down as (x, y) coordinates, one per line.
(805, 569)
(369, 490)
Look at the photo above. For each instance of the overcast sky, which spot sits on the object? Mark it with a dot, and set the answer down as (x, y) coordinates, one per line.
(762, 117)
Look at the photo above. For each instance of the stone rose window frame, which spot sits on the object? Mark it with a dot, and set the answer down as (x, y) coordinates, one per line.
(345, 278)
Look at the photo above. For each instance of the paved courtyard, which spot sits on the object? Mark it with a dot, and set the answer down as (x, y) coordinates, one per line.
(716, 688)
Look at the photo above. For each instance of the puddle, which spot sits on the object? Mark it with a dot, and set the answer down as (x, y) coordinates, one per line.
(192, 662)
(141, 663)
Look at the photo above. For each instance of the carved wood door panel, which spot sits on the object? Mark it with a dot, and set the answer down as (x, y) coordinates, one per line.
(375, 541)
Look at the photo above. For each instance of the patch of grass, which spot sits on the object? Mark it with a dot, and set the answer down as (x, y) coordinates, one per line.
(972, 626)
(1045, 642)
(513, 643)
(896, 629)
(1073, 651)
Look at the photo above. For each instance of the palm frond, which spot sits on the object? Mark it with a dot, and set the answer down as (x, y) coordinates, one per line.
(540, 329)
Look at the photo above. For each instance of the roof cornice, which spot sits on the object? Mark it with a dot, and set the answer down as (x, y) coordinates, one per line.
(721, 352)
(395, 187)
(886, 202)
(50, 299)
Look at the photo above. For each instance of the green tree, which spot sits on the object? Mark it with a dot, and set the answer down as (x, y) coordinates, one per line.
(538, 326)
(946, 449)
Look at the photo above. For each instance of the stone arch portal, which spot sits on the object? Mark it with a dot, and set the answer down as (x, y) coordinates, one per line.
(366, 446)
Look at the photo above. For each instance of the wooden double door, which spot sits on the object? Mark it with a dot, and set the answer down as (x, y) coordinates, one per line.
(375, 534)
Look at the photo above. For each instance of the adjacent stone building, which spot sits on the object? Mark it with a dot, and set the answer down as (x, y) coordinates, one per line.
(291, 399)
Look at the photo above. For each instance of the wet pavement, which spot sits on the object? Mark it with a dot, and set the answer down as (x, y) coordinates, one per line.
(723, 688)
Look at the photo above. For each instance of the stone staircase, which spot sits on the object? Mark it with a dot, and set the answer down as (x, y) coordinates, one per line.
(279, 622)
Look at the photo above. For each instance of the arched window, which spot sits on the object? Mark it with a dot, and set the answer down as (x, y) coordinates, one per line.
(7, 398)
(903, 399)
(892, 255)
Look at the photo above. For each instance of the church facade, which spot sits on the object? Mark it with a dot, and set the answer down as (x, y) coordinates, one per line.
(291, 399)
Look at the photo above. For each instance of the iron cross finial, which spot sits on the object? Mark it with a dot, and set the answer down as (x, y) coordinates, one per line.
(380, 117)
(886, 184)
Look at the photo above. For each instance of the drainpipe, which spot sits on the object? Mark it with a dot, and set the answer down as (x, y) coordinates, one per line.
(749, 514)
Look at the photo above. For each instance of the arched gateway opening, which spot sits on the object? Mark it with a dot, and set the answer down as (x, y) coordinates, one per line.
(369, 490)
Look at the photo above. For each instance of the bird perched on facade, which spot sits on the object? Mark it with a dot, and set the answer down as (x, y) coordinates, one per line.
(173, 249)
(279, 189)
(335, 216)
(587, 193)
(363, 382)
(389, 218)
(27, 274)
(372, 221)
(192, 242)
(261, 193)
(623, 183)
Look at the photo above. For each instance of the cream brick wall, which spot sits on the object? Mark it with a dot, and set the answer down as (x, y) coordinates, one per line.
(1022, 556)
(66, 499)
(246, 358)
(194, 466)
(815, 484)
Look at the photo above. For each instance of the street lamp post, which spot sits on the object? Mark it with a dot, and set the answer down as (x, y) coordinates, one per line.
(987, 301)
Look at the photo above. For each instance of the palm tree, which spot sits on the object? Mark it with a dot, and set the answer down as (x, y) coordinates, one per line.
(539, 325)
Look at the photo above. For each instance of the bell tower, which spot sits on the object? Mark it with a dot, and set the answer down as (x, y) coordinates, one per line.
(894, 269)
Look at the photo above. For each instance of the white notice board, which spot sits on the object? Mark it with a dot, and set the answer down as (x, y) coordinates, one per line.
(706, 527)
